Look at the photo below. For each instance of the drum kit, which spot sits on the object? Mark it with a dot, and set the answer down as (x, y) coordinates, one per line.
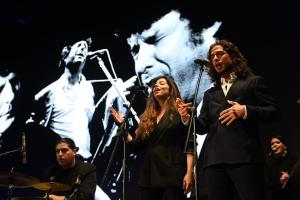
(19, 180)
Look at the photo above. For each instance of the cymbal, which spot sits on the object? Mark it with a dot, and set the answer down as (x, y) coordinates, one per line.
(51, 186)
(17, 180)
(28, 198)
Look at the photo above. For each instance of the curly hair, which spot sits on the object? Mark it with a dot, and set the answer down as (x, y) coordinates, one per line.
(149, 116)
(240, 65)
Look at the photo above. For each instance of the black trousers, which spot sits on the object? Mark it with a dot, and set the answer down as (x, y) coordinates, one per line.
(162, 193)
(235, 181)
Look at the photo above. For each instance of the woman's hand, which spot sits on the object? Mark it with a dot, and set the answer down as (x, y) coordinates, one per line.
(183, 110)
(188, 182)
(284, 177)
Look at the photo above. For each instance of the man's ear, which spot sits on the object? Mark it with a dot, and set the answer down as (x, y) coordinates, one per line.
(76, 149)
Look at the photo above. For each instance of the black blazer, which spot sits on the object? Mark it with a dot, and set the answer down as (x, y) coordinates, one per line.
(239, 142)
(163, 158)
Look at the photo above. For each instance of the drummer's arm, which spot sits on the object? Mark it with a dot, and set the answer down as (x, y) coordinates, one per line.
(55, 197)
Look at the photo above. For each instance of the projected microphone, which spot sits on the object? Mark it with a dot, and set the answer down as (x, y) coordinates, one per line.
(137, 88)
(201, 62)
(23, 149)
(94, 54)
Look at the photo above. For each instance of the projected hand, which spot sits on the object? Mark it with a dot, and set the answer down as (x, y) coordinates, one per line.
(113, 98)
(118, 117)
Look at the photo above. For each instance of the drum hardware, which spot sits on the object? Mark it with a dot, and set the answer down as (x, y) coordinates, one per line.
(16, 180)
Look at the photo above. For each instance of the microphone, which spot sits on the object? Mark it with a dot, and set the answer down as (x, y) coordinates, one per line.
(201, 62)
(298, 101)
(271, 153)
(23, 149)
(94, 54)
(137, 88)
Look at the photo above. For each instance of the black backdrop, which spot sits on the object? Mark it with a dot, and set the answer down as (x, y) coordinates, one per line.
(32, 34)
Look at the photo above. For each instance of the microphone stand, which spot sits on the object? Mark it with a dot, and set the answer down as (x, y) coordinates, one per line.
(121, 95)
(192, 123)
(120, 133)
(20, 149)
(123, 134)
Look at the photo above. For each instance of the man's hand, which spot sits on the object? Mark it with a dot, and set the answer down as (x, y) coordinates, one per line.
(229, 115)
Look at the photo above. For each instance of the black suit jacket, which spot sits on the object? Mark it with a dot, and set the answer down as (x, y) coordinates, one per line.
(163, 162)
(239, 142)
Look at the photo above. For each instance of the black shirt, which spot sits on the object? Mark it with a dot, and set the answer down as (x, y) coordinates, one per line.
(85, 172)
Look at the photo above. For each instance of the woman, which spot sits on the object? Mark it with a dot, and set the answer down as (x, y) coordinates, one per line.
(166, 170)
(279, 166)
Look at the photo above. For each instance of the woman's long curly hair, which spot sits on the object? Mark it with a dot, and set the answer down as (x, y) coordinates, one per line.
(240, 65)
(149, 116)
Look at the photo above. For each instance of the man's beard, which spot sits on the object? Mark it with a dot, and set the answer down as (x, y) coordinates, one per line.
(227, 70)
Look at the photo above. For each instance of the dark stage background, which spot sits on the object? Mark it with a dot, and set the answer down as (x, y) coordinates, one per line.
(33, 33)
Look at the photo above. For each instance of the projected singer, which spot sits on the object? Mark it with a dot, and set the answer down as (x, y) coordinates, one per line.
(66, 106)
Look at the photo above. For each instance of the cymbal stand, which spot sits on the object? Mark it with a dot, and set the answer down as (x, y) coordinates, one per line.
(11, 185)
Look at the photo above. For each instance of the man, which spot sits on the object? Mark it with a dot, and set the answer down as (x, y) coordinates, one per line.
(72, 172)
(230, 115)
(169, 47)
(67, 105)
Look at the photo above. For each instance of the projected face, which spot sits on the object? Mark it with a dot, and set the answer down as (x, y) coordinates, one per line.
(8, 90)
(77, 56)
(167, 48)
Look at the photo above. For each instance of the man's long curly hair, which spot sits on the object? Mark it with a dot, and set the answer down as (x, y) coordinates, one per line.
(149, 116)
(240, 65)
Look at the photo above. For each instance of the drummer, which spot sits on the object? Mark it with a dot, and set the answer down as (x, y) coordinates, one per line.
(69, 171)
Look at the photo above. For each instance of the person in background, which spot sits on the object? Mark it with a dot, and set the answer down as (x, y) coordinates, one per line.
(71, 171)
(166, 170)
(279, 165)
(230, 115)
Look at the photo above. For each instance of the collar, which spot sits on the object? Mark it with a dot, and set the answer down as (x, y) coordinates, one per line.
(63, 80)
(231, 80)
